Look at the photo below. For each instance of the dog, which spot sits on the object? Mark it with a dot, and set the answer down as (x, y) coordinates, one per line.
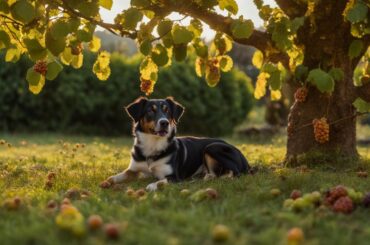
(158, 152)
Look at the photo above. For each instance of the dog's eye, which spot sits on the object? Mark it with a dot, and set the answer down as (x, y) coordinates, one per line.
(165, 109)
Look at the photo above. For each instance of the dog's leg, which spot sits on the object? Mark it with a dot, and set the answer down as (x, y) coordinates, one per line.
(125, 176)
(157, 185)
(211, 164)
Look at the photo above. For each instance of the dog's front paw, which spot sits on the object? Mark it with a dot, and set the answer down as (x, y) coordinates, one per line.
(152, 187)
(107, 183)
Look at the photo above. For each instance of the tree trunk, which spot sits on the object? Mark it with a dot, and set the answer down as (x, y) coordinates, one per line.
(338, 110)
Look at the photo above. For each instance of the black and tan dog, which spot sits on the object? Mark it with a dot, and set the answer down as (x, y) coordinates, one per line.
(159, 153)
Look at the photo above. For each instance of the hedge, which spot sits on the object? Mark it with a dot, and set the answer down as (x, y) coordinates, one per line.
(77, 102)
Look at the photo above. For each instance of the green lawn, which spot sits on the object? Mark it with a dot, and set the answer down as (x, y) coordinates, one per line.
(245, 204)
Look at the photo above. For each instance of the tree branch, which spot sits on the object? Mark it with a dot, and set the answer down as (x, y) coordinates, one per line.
(259, 39)
(291, 8)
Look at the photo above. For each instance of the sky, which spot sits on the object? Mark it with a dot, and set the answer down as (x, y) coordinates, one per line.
(246, 8)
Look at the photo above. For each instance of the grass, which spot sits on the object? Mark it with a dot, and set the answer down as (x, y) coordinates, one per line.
(245, 205)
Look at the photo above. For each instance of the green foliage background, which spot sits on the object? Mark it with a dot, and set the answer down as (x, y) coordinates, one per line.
(77, 102)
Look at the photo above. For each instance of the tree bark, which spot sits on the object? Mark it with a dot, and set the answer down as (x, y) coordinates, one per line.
(338, 110)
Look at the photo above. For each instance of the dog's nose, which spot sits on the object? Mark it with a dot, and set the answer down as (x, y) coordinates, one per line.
(164, 123)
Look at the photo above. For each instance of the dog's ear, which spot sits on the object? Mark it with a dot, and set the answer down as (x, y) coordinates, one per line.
(135, 109)
(176, 109)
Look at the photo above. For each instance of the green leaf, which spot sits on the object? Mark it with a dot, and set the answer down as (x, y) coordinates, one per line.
(107, 4)
(257, 59)
(337, 74)
(196, 27)
(159, 55)
(54, 68)
(146, 47)
(164, 27)
(55, 46)
(181, 35)
(357, 13)
(275, 80)
(140, 3)
(33, 77)
(301, 73)
(200, 66)
(222, 43)
(130, 18)
(36, 89)
(67, 56)
(355, 49)
(201, 49)
(361, 105)
(84, 35)
(213, 75)
(322, 80)
(226, 63)
(180, 51)
(229, 5)
(23, 11)
(95, 44)
(77, 61)
(241, 29)
(59, 29)
(4, 39)
(35, 50)
(12, 54)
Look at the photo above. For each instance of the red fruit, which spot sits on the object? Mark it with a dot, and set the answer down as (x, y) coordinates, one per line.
(366, 201)
(52, 204)
(338, 191)
(300, 94)
(51, 175)
(212, 193)
(343, 205)
(321, 130)
(105, 184)
(112, 231)
(95, 222)
(41, 67)
(295, 194)
(140, 192)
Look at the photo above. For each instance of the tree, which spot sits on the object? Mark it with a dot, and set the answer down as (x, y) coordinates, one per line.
(312, 45)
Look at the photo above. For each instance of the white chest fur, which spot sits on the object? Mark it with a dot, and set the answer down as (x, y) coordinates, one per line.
(159, 169)
(150, 144)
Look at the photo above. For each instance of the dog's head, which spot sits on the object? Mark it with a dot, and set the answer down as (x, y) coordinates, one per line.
(155, 116)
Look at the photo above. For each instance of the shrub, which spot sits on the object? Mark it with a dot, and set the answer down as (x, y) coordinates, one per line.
(77, 102)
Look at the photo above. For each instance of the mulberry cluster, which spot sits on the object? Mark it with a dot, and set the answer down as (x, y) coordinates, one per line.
(321, 130)
(334, 194)
(300, 94)
(146, 86)
(41, 67)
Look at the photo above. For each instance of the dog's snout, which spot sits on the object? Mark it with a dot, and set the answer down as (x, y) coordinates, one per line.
(164, 123)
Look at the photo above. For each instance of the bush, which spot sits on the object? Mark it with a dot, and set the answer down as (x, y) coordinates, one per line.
(77, 102)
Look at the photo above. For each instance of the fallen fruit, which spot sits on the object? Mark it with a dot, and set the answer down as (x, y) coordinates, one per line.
(185, 192)
(295, 194)
(343, 205)
(130, 192)
(73, 194)
(275, 192)
(212, 193)
(140, 192)
(366, 201)
(220, 233)
(112, 231)
(52, 204)
(295, 236)
(199, 195)
(66, 201)
(48, 184)
(51, 175)
(105, 184)
(94, 222)
(362, 174)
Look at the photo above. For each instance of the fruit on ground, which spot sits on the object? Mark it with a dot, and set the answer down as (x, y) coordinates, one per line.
(105, 184)
(343, 205)
(366, 201)
(300, 204)
(94, 222)
(275, 192)
(52, 204)
(211, 193)
(295, 194)
(220, 233)
(288, 203)
(71, 219)
(51, 175)
(140, 192)
(199, 195)
(362, 174)
(73, 194)
(321, 130)
(111, 231)
(295, 236)
(185, 192)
